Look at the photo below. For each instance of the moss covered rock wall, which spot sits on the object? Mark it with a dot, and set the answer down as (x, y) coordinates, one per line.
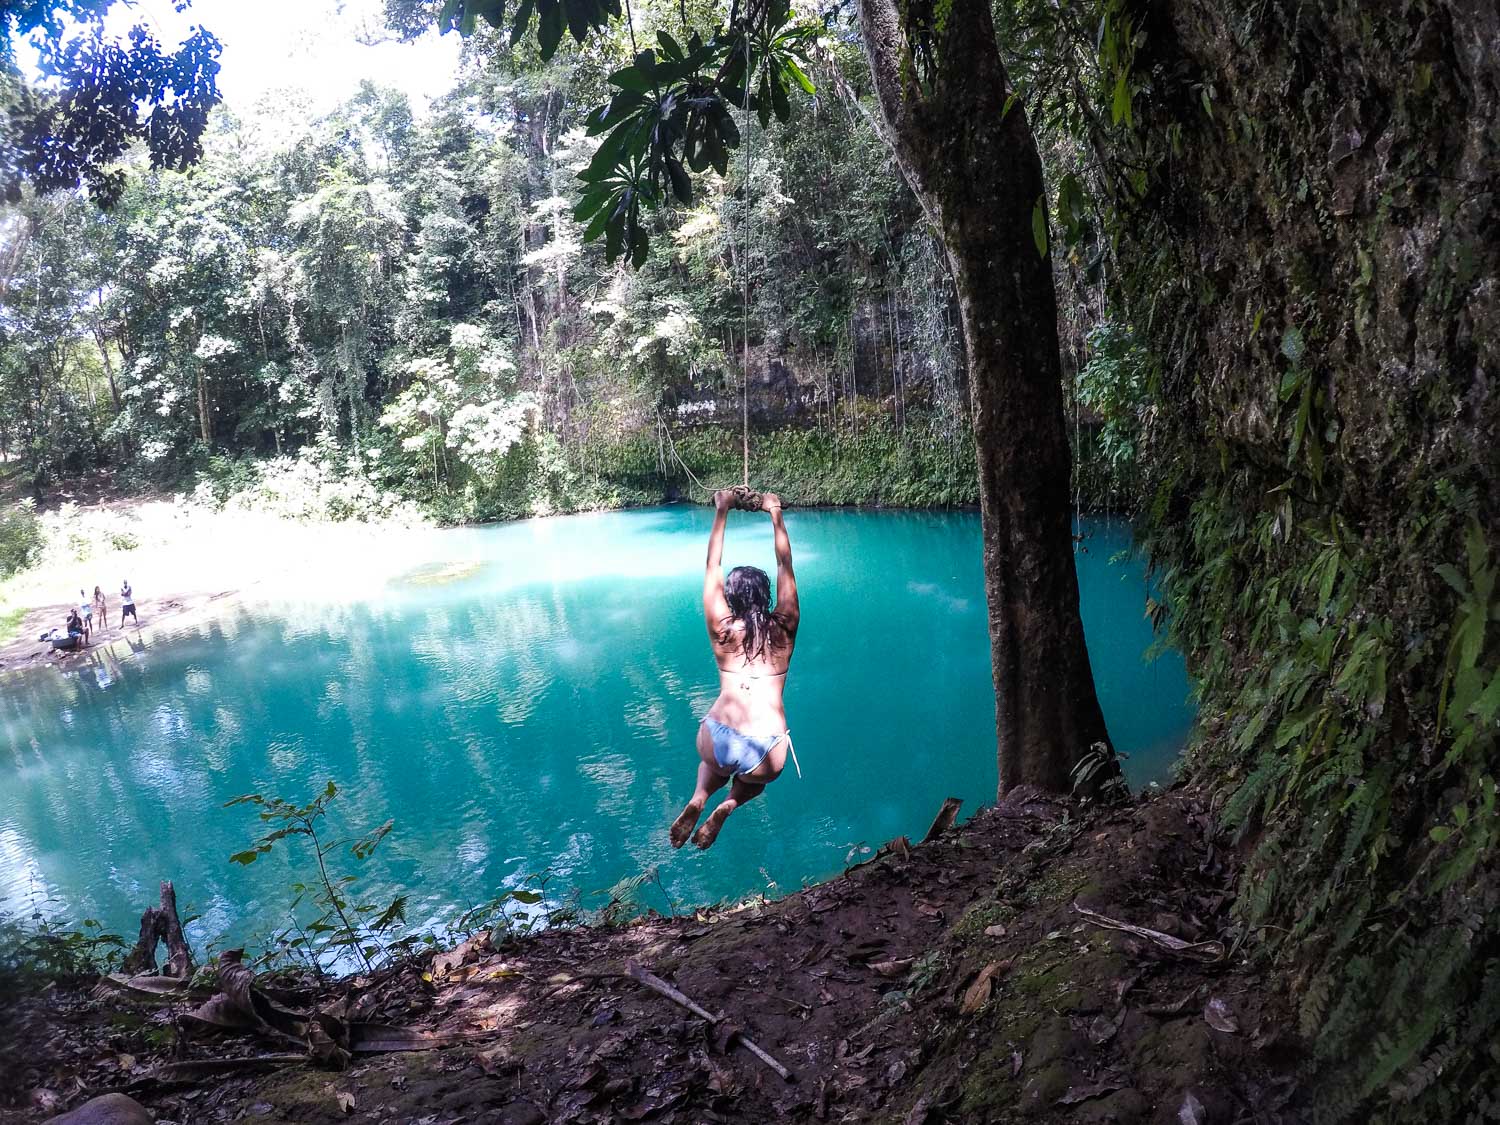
(1310, 242)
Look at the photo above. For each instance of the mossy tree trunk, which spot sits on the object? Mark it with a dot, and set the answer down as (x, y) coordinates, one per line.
(970, 156)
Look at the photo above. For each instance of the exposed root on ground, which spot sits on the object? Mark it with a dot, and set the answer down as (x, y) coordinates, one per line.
(956, 980)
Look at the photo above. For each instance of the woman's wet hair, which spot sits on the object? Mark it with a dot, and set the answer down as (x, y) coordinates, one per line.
(748, 592)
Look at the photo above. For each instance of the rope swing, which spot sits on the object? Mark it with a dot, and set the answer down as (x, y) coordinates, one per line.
(745, 498)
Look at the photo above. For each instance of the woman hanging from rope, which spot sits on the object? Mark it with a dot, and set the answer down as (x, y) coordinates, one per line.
(744, 738)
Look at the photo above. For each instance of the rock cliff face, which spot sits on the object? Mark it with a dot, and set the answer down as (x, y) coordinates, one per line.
(1315, 260)
(895, 359)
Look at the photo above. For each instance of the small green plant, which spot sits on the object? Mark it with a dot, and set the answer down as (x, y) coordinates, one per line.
(1112, 388)
(342, 925)
(926, 971)
(509, 914)
(38, 951)
(1093, 783)
(625, 900)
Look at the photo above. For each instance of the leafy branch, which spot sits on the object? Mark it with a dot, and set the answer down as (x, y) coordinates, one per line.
(330, 892)
(671, 113)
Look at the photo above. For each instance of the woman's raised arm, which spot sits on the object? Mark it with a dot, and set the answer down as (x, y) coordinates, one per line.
(715, 605)
(787, 607)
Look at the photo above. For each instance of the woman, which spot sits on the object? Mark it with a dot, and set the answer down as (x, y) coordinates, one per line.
(101, 608)
(744, 737)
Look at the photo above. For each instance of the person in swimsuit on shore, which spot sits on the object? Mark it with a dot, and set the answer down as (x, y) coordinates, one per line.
(743, 740)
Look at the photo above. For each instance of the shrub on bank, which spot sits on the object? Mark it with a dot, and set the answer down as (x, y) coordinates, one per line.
(318, 484)
(21, 538)
(921, 465)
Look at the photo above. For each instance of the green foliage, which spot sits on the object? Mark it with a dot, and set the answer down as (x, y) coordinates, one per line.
(1359, 766)
(1323, 530)
(514, 912)
(1111, 392)
(921, 466)
(21, 538)
(319, 484)
(39, 951)
(627, 898)
(415, 301)
(670, 109)
(580, 16)
(339, 925)
(75, 130)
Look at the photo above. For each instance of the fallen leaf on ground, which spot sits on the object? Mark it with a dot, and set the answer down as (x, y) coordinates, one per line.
(920, 1112)
(1191, 1111)
(1217, 1015)
(1078, 1094)
(978, 993)
(345, 1100)
(891, 968)
(1176, 1008)
(1104, 1028)
(1125, 984)
(996, 930)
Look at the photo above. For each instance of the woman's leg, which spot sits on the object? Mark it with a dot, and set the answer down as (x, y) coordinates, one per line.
(710, 781)
(739, 793)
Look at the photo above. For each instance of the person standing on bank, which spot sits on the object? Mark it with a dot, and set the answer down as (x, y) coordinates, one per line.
(744, 738)
(127, 604)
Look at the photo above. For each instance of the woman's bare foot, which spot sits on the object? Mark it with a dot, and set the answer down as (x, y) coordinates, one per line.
(708, 832)
(682, 827)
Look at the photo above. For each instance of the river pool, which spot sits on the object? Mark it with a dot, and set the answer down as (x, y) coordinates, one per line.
(526, 702)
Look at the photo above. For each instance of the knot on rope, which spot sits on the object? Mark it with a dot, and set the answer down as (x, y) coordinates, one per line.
(746, 499)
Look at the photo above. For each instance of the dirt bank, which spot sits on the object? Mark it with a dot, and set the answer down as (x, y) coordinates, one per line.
(952, 981)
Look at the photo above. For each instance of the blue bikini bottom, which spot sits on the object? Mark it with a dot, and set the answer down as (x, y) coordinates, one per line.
(738, 753)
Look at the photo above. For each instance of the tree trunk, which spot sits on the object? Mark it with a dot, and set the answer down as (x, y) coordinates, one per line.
(158, 924)
(975, 169)
(205, 423)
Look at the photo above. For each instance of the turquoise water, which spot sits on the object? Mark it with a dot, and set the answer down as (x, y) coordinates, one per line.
(535, 711)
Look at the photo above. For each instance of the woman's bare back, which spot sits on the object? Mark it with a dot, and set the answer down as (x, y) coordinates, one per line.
(751, 690)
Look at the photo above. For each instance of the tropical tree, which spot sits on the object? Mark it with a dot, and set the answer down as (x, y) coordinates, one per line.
(967, 150)
(76, 126)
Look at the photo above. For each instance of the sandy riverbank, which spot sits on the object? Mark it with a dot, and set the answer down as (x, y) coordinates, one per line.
(187, 562)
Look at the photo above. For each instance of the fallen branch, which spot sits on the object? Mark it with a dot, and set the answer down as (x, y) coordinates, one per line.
(1205, 951)
(191, 1070)
(656, 984)
(944, 819)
